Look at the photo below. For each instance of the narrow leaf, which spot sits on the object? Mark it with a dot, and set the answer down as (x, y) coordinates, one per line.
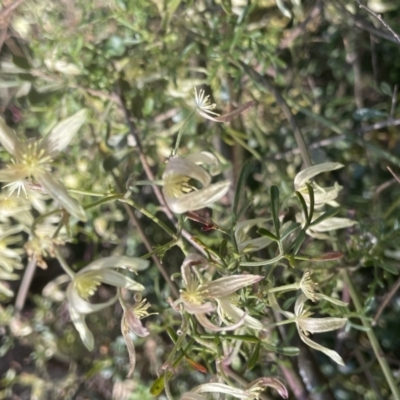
(274, 193)
(247, 168)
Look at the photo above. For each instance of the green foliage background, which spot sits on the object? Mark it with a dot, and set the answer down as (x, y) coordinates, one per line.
(333, 63)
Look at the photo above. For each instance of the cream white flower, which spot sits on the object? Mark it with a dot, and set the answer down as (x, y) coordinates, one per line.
(32, 159)
(198, 297)
(322, 195)
(306, 325)
(85, 282)
(181, 179)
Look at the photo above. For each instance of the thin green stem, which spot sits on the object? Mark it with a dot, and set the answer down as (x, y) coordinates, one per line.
(64, 264)
(180, 133)
(372, 338)
(261, 263)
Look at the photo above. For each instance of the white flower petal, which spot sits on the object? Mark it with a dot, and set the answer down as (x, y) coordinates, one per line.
(235, 313)
(206, 323)
(198, 199)
(82, 306)
(8, 138)
(62, 134)
(190, 260)
(330, 353)
(179, 166)
(13, 174)
(114, 278)
(80, 324)
(304, 176)
(317, 325)
(59, 193)
(205, 308)
(205, 158)
(192, 396)
(130, 263)
(332, 224)
(221, 388)
(228, 284)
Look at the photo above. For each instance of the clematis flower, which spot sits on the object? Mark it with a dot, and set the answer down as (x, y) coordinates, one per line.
(322, 195)
(182, 177)
(131, 323)
(198, 297)
(32, 159)
(85, 282)
(306, 325)
(251, 392)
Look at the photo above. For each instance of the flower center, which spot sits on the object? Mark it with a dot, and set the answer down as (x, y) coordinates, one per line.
(86, 284)
(177, 185)
(32, 157)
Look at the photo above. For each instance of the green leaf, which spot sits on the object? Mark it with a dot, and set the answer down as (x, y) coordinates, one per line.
(274, 193)
(386, 89)
(223, 247)
(244, 174)
(291, 228)
(267, 233)
(366, 114)
(299, 241)
(287, 351)
(254, 357)
(312, 202)
(303, 204)
(158, 385)
(21, 62)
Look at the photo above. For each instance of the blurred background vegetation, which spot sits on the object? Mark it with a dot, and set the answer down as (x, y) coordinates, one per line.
(326, 69)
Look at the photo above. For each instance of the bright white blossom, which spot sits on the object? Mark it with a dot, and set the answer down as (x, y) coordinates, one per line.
(85, 283)
(199, 297)
(182, 178)
(322, 195)
(33, 158)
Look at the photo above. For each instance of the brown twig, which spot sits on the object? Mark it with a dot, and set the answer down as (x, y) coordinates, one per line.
(265, 85)
(25, 285)
(149, 172)
(380, 19)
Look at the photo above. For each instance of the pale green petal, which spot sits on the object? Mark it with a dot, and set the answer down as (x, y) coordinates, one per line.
(205, 158)
(82, 306)
(330, 353)
(59, 193)
(204, 308)
(198, 199)
(304, 176)
(221, 388)
(192, 259)
(332, 224)
(228, 284)
(276, 307)
(192, 396)
(12, 174)
(235, 313)
(8, 138)
(318, 325)
(130, 263)
(254, 244)
(179, 166)
(206, 323)
(114, 278)
(80, 325)
(321, 296)
(5, 290)
(62, 134)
